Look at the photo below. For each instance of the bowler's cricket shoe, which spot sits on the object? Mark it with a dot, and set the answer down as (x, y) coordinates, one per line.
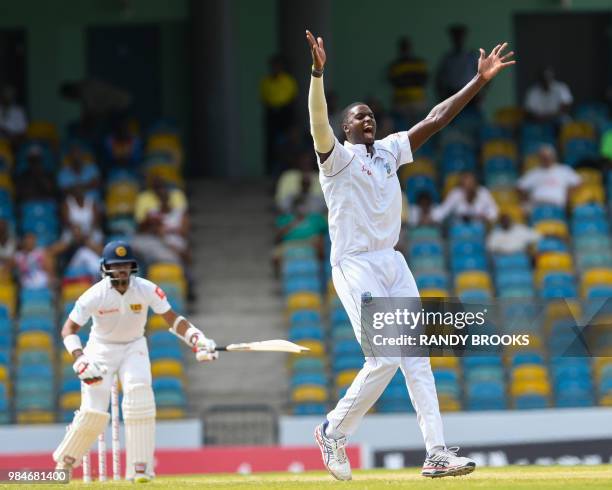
(447, 463)
(334, 454)
(141, 478)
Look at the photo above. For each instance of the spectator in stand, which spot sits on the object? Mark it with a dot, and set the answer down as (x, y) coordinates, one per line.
(510, 237)
(123, 149)
(80, 244)
(13, 120)
(79, 170)
(408, 76)
(151, 244)
(299, 227)
(421, 213)
(469, 201)
(548, 100)
(551, 182)
(33, 264)
(82, 211)
(151, 199)
(7, 250)
(458, 66)
(302, 180)
(278, 92)
(35, 183)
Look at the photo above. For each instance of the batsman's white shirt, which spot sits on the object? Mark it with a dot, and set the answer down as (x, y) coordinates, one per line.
(119, 318)
(363, 195)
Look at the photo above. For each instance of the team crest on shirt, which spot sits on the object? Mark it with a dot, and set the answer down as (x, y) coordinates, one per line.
(388, 168)
(136, 308)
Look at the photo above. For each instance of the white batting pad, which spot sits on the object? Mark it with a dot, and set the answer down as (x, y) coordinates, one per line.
(139, 418)
(83, 432)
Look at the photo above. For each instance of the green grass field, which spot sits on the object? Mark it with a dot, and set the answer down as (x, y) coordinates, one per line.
(509, 478)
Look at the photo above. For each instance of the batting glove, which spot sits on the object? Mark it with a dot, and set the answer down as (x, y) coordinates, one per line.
(204, 348)
(88, 371)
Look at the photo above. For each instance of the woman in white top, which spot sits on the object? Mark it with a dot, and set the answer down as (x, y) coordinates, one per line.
(81, 211)
(468, 201)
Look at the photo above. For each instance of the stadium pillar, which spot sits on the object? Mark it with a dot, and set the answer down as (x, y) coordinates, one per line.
(294, 17)
(216, 124)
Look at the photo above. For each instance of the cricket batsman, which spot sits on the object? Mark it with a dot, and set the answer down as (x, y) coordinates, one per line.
(119, 305)
(363, 194)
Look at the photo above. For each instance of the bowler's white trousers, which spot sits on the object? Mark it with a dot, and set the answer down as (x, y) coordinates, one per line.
(382, 273)
(130, 361)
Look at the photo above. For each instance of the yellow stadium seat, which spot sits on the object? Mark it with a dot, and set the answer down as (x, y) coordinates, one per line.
(8, 297)
(4, 374)
(606, 401)
(317, 348)
(71, 292)
(473, 280)
(166, 272)
(6, 152)
(550, 227)
(309, 393)
(157, 322)
(563, 308)
(590, 176)
(345, 378)
(331, 290)
(576, 129)
(170, 413)
(35, 417)
(595, 277)
(434, 293)
(509, 116)
(555, 261)
(530, 161)
(514, 211)
(535, 344)
(499, 148)
(67, 357)
(529, 372)
(34, 340)
(168, 173)
(420, 166)
(6, 182)
(167, 143)
(304, 301)
(438, 362)
(505, 197)
(43, 130)
(587, 193)
(448, 404)
(70, 401)
(530, 388)
(451, 181)
(167, 367)
(600, 362)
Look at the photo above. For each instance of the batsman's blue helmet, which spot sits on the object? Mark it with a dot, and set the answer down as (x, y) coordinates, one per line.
(117, 252)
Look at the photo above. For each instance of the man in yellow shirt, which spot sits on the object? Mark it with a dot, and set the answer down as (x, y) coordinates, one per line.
(278, 92)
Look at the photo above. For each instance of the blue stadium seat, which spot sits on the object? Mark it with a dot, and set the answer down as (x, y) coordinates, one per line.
(543, 212)
(162, 338)
(166, 383)
(303, 332)
(338, 316)
(590, 227)
(588, 211)
(302, 284)
(461, 263)
(488, 395)
(527, 402)
(511, 261)
(425, 248)
(433, 280)
(305, 317)
(527, 358)
(43, 324)
(467, 231)
(170, 351)
(510, 278)
(70, 384)
(299, 379)
(310, 409)
(347, 348)
(353, 361)
(462, 247)
(417, 184)
(308, 365)
(551, 244)
(301, 267)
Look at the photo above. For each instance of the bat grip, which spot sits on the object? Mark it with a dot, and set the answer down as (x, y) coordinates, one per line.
(221, 348)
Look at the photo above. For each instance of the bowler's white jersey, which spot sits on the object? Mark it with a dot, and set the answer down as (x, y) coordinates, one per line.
(363, 195)
(119, 318)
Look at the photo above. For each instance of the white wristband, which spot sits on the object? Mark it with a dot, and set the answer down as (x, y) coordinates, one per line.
(178, 320)
(72, 342)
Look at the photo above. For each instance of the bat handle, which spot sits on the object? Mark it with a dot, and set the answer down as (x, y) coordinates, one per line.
(221, 348)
